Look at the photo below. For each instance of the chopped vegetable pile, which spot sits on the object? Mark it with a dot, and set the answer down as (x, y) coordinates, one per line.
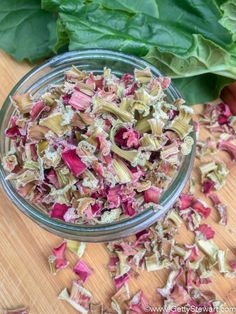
(190, 265)
(97, 148)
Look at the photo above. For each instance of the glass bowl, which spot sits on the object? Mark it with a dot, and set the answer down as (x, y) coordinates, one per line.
(36, 82)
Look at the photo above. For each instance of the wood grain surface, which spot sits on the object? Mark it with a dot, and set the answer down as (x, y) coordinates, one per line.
(25, 247)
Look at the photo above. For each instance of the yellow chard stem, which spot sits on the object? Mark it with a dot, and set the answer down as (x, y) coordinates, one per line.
(122, 171)
(104, 106)
(52, 264)
(143, 76)
(150, 142)
(135, 157)
(170, 153)
(143, 125)
(180, 124)
(23, 102)
(54, 123)
(86, 118)
(126, 103)
(87, 89)
(156, 126)
(129, 155)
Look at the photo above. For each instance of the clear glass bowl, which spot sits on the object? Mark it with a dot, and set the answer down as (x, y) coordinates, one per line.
(36, 82)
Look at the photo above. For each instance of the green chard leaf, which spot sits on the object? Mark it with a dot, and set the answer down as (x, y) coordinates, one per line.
(63, 5)
(148, 7)
(62, 37)
(229, 17)
(26, 31)
(192, 41)
(196, 17)
(201, 73)
(201, 88)
(96, 27)
(203, 57)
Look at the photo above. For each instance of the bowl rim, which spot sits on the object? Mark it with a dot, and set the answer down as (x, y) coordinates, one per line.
(173, 190)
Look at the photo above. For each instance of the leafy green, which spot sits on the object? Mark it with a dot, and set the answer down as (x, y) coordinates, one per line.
(201, 88)
(113, 21)
(26, 31)
(229, 17)
(148, 7)
(62, 37)
(193, 41)
(194, 81)
(62, 5)
(186, 42)
(196, 17)
(96, 27)
(203, 57)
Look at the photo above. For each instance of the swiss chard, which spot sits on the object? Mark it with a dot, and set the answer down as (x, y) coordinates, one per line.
(193, 42)
(26, 31)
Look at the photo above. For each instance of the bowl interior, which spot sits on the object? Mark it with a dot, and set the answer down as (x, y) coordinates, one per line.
(51, 72)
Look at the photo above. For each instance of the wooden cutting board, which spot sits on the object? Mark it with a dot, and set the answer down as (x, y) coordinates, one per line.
(25, 247)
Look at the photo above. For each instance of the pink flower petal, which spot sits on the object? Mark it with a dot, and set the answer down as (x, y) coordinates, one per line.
(189, 278)
(232, 264)
(194, 252)
(128, 249)
(13, 132)
(58, 211)
(103, 145)
(165, 81)
(132, 137)
(98, 82)
(223, 114)
(223, 119)
(171, 282)
(179, 295)
(127, 78)
(207, 186)
(33, 150)
(138, 304)
(229, 148)
(81, 296)
(119, 281)
(66, 98)
(59, 253)
(99, 169)
(70, 215)
(96, 208)
(131, 89)
(221, 208)
(142, 236)
(73, 162)
(113, 197)
(128, 209)
(137, 173)
(202, 209)
(82, 270)
(185, 201)
(206, 230)
(119, 139)
(37, 109)
(80, 101)
(152, 195)
(52, 178)
(172, 113)
(113, 263)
